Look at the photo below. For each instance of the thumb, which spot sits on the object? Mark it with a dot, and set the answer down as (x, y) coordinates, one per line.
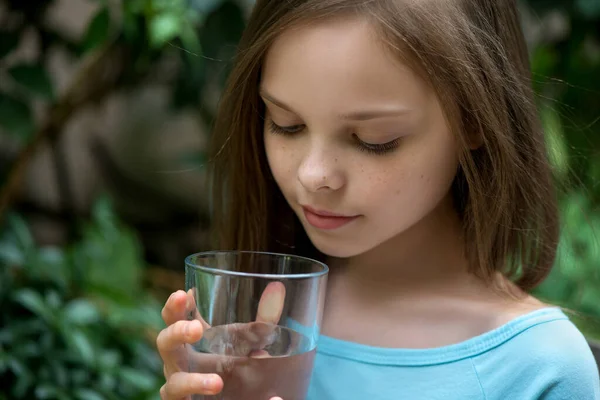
(271, 303)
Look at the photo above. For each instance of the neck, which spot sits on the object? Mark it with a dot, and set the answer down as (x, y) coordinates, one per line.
(429, 256)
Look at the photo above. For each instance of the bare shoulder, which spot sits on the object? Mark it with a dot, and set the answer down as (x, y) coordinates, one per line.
(506, 302)
(506, 311)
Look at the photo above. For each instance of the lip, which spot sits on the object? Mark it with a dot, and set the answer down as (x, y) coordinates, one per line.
(325, 219)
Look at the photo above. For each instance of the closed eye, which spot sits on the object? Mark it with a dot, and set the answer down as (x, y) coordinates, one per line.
(377, 149)
(285, 130)
(370, 148)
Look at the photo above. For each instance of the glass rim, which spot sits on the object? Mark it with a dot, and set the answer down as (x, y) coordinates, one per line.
(216, 271)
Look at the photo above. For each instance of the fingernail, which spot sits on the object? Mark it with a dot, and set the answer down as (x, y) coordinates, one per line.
(209, 382)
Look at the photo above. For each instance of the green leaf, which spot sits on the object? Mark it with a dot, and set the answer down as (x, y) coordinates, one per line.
(8, 42)
(51, 255)
(109, 359)
(97, 31)
(190, 40)
(108, 382)
(51, 265)
(111, 255)
(19, 228)
(82, 345)
(17, 367)
(138, 379)
(47, 340)
(26, 350)
(557, 145)
(53, 300)
(80, 377)
(34, 78)
(34, 302)
(16, 117)
(88, 394)
(60, 372)
(25, 381)
(10, 254)
(81, 312)
(46, 391)
(163, 28)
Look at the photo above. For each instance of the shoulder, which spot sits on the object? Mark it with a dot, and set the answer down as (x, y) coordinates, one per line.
(544, 355)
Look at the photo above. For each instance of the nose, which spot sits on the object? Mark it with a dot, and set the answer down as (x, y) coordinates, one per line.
(320, 171)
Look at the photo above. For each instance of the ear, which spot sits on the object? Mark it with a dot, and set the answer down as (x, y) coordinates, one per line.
(473, 132)
(474, 140)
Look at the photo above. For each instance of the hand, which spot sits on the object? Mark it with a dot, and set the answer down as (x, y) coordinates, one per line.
(172, 342)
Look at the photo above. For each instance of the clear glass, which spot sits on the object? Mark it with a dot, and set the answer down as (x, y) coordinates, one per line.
(261, 327)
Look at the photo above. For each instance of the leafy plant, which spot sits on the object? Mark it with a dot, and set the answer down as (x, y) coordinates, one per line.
(574, 282)
(75, 323)
(197, 36)
(564, 70)
(185, 45)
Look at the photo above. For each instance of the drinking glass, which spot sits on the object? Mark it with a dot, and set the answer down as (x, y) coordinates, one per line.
(261, 314)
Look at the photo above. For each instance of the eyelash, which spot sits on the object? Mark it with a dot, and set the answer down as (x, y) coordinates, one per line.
(376, 149)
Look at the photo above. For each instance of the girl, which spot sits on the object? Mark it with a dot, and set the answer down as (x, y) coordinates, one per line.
(398, 141)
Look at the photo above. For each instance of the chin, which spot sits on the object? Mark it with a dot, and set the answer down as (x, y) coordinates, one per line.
(338, 248)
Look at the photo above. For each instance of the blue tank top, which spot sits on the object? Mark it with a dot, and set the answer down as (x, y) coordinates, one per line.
(541, 355)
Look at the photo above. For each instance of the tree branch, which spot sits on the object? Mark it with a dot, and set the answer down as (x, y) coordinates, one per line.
(93, 82)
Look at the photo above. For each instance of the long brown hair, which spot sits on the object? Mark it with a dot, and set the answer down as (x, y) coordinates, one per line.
(473, 54)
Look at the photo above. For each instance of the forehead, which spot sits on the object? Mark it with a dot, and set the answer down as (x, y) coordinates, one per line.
(338, 60)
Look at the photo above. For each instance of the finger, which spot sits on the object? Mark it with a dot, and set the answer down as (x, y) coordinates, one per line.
(182, 306)
(174, 309)
(271, 303)
(259, 354)
(183, 384)
(191, 309)
(175, 345)
(176, 335)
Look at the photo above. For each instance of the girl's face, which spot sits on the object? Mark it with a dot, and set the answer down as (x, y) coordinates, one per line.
(355, 140)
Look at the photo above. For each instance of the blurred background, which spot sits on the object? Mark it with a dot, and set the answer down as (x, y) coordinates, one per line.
(105, 110)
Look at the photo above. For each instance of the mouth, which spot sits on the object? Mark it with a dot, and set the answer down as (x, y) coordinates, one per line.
(326, 220)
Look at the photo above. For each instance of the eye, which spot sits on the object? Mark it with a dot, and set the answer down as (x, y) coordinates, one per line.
(285, 130)
(378, 148)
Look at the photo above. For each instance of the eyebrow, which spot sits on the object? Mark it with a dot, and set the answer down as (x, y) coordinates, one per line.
(353, 116)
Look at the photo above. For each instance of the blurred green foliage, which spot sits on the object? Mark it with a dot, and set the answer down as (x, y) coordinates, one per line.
(198, 36)
(76, 322)
(566, 74)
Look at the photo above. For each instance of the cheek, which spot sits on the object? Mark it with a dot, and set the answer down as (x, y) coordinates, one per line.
(413, 185)
(280, 158)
